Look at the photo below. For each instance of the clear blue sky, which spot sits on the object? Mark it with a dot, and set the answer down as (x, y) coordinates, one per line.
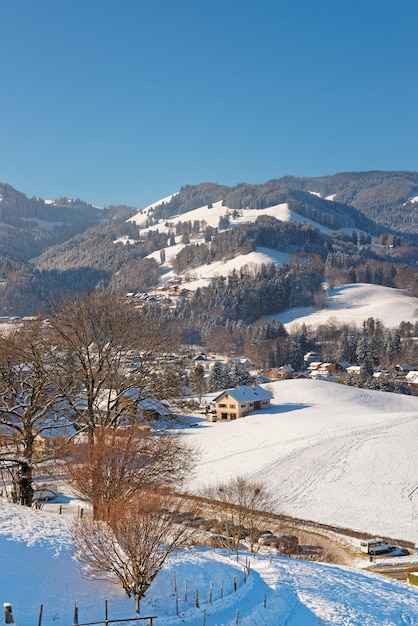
(125, 101)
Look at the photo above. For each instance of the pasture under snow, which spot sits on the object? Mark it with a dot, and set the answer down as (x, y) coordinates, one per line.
(330, 453)
(354, 303)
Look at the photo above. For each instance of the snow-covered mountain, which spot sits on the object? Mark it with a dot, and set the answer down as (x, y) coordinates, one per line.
(352, 303)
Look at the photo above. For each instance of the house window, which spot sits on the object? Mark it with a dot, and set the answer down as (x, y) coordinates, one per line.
(233, 416)
(243, 406)
(222, 406)
(224, 416)
(232, 406)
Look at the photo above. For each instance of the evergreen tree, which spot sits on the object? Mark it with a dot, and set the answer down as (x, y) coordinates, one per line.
(228, 378)
(216, 377)
(303, 339)
(242, 377)
(394, 344)
(295, 353)
(198, 381)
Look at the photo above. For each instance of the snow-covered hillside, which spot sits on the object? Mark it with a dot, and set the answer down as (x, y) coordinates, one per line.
(202, 275)
(38, 569)
(345, 304)
(330, 453)
(352, 304)
(211, 216)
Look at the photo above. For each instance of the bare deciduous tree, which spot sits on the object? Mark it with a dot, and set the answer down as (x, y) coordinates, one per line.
(29, 403)
(133, 544)
(120, 462)
(105, 353)
(239, 507)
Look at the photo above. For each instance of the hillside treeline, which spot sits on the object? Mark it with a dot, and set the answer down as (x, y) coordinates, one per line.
(246, 296)
(384, 197)
(358, 198)
(22, 236)
(243, 196)
(266, 232)
(269, 345)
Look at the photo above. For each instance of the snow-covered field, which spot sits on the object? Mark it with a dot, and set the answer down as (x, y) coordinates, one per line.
(354, 303)
(330, 453)
(37, 569)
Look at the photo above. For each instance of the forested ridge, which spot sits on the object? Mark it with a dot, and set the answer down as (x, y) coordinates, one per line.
(357, 197)
(50, 247)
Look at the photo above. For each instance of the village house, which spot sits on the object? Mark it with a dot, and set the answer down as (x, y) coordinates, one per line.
(266, 376)
(284, 372)
(311, 357)
(234, 403)
(402, 369)
(322, 371)
(355, 369)
(412, 379)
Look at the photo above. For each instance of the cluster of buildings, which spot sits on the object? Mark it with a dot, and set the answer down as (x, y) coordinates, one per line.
(167, 297)
(234, 403)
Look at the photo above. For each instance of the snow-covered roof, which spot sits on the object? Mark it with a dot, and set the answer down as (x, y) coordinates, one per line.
(412, 377)
(247, 393)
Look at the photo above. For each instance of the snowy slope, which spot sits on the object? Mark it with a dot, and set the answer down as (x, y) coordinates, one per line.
(355, 303)
(202, 275)
(330, 453)
(211, 216)
(37, 568)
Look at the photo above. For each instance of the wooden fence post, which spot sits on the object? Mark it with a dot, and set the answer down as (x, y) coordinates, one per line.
(8, 614)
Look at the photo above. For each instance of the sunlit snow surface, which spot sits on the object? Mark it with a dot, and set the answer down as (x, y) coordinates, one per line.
(37, 568)
(331, 453)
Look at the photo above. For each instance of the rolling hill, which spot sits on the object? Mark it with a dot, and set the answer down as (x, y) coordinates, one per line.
(47, 247)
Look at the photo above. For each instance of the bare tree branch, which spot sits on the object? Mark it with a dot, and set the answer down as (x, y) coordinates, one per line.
(133, 545)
